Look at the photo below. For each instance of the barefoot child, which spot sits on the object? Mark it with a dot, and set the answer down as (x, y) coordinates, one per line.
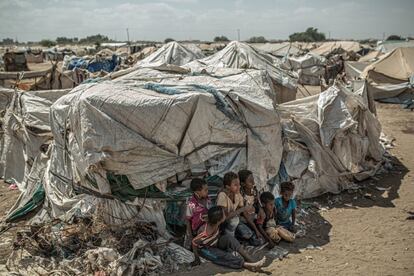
(232, 202)
(220, 249)
(265, 221)
(197, 208)
(247, 230)
(286, 206)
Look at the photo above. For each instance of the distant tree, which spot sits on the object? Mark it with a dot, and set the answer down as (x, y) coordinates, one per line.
(97, 45)
(64, 40)
(221, 39)
(94, 39)
(257, 39)
(169, 40)
(7, 41)
(47, 43)
(394, 37)
(310, 35)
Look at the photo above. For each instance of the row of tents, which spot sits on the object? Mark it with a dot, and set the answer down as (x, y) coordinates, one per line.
(128, 143)
(144, 132)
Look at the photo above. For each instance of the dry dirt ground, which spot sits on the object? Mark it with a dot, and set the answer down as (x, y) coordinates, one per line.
(364, 232)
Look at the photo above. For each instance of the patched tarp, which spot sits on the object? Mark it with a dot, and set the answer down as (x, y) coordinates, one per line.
(239, 55)
(26, 126)
(6, 96)
(171, 53)
(150, 126)
(353, 69)
(330, 140)
(310, 68)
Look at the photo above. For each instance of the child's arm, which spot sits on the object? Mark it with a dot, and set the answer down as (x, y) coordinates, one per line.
(236, 212)
(266, 237)
(251, 224)
(260, 219)
(293, 217)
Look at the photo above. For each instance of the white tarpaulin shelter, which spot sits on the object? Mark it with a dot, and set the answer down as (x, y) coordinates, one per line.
(278, 49)
(391, 78)
(6, 96)
(239, 55)
(330, 140)
(310, 68)
(389, 46)
(150, 131)
(353, 69)
(26, 129)
(328, 48)
(171, 53)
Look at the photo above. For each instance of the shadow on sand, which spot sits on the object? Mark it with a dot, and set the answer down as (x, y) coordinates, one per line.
(379, 191)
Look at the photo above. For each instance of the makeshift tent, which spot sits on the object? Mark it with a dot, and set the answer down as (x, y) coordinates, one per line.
(26, 131)
(389, 46)
(337, 47)
(15, 61)
(34, 56)
(171, 53)
(391, 78)
(110, 148)
(353, 69)
(396, 66)
(26, 140)
(6, 96)
(278, 49)
(371, 56)
(310, 68)
(330, 140)
(242, 56)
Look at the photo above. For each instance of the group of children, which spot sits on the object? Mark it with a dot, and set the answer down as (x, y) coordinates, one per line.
(240, 215)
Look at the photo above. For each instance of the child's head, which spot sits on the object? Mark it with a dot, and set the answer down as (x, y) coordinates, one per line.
(286, 190)
(231, 182)
(268, 200)
(246, 179)
(216, 215)
(199, 187)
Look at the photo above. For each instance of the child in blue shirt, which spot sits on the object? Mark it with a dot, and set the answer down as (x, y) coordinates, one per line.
(286, 207)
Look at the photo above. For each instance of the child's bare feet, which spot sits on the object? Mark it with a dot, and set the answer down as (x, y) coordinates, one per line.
(256, 265)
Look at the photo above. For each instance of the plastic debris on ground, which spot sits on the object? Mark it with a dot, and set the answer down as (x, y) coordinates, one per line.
(278, 252)
(89, 246)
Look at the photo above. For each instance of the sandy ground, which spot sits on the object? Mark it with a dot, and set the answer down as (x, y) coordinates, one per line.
(365, 232)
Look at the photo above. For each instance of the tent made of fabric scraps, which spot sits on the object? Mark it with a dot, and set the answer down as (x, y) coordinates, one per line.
(171, 53)
(239, 55)
(330, 140)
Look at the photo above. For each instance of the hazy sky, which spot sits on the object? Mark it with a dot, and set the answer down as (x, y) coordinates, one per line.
(203, 19)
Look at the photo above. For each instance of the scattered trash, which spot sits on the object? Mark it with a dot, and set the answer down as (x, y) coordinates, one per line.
(309, 258)
(368, 195)
(90, 246)
(278, 252)
(383, 189)
(310, 247)
(13, 187)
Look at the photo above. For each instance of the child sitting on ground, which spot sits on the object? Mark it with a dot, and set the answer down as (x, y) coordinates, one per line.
(197, 208)
(232, 202)
(266, 222)
(286, 206)
(247, 230)
(220, 249)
